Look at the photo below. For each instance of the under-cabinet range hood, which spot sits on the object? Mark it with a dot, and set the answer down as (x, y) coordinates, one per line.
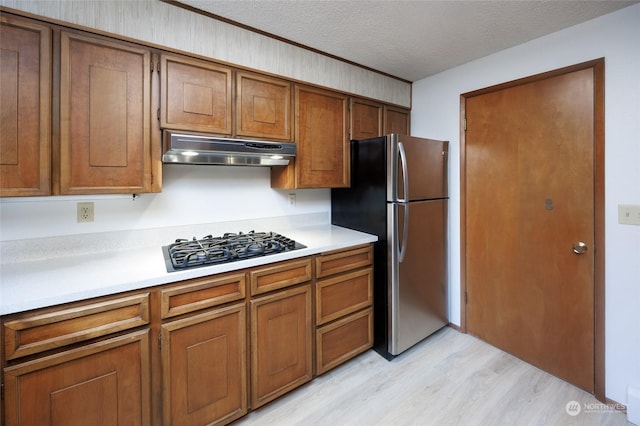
(193, 148)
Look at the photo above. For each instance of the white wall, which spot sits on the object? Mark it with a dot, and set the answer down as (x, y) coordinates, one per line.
(190, 195)
(616, 37)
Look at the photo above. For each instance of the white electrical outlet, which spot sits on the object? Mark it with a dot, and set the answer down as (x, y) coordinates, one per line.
(628, 214)
(292, 200)
(85, 212)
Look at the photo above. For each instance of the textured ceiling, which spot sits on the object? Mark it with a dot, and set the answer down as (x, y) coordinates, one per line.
(408, 39)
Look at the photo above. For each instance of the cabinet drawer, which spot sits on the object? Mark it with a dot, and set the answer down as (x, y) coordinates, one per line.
(343, 294)
(39, 331)
(340, 261)
(280, 275)
(201, 293)
(343, 339)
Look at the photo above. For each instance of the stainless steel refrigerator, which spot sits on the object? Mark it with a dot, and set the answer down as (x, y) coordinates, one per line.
(399, 193)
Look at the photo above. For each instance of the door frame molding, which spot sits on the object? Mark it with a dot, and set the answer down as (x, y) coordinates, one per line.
(599, 204)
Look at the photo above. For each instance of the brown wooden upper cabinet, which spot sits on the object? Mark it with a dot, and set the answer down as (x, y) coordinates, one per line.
(25, 107)
(263, 107)
(396, 120)
(321, 134)
(366, 119)
(195, 95)
(107, 139)
(105, 116)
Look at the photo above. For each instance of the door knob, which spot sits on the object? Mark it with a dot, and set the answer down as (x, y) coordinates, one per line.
(579, 247)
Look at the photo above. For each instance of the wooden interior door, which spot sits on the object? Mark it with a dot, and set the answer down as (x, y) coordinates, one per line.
(529, 185)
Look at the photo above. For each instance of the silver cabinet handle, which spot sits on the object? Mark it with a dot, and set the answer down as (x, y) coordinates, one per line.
(579, 247)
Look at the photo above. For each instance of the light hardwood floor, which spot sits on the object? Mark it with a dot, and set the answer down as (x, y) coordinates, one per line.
(449, 379)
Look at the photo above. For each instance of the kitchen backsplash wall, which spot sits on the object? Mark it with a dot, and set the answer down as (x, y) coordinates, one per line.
(162, 24)
(190, 195)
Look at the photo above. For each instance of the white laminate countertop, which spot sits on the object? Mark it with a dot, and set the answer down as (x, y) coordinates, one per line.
(48, 282)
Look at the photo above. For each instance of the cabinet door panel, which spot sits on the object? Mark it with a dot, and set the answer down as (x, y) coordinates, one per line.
(281, 345)
(195, 95)
(366, 119)
(204, 367)
(25, 108)
(396, 120)
(322, 160)
(105, 139)
(263, 107)
(102, 383)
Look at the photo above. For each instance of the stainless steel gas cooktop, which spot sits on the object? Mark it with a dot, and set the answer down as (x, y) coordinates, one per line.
(230, 247)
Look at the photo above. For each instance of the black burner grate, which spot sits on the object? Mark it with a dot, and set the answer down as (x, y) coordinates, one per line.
(210, 250)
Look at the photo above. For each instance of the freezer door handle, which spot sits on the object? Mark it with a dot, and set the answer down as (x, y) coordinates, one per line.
(405, 178)
(405, 230)
(405, 197)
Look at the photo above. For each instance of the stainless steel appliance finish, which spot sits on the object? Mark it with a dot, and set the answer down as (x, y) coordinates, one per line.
(230, 247)
(399, 193)
(190, 148)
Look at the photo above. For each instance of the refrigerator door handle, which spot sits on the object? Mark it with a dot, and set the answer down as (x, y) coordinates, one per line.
(405, 230)
(405, 178)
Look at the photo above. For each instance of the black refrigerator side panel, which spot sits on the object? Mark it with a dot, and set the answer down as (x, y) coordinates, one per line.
(363, 207)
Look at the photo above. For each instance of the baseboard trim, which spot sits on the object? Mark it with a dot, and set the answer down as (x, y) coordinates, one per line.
(456, 327)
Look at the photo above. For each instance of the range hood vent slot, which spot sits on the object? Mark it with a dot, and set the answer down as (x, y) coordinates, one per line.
(191, 148)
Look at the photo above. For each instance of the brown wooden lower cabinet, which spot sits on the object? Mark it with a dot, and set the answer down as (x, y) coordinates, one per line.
(182, 353)
(343, 305)
(281, 345)
(204, 378)
(104, 383)
(343, 339)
